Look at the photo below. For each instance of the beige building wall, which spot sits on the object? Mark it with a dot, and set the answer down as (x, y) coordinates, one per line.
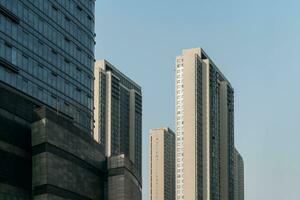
(206, 132)
(162, 165)
(189, 138)
(238, 176)
(224, 186)
(156, 165)
(99, 69)
(187, 143)
(95, 102)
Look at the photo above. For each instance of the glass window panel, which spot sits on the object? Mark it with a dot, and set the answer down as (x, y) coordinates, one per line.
(14, 56)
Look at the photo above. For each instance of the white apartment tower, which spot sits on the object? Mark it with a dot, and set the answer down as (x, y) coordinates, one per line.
(204, 129)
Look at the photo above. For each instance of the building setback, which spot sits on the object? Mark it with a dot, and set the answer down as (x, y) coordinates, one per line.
(238, 176)
(118, 124)
(162, 164)
(204, 129)
(44, 155)
(47, 52)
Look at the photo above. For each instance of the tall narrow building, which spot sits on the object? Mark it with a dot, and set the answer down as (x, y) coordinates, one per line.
(204, 129)
(118, 127)
(238, 176)
(162, 164)
(47, 52)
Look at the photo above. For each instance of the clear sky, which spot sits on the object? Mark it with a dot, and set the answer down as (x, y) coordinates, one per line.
(255, 43)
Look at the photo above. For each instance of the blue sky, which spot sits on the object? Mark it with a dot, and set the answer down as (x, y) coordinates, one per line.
(256, 44)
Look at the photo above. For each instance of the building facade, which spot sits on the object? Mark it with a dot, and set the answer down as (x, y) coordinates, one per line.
(118, 117)
(204, 129)
(44, 155)
(162, 164)
(239, 186)
(47, 52)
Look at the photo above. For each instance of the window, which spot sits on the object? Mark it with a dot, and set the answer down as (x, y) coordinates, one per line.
(79, 8)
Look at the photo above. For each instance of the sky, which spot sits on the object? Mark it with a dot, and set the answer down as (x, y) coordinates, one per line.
(256, 44)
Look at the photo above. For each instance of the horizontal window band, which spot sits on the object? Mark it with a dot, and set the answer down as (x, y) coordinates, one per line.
(51, 189)
(9, 14)
(5, 63)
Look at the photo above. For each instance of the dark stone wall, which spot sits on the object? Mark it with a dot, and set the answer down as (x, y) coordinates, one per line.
(124, 182)
(67, 163)
(15, 145)
(122, 186)
(43, 155)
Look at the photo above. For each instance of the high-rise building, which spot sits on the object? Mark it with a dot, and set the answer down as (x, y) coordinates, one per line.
(162, 164)
(204, 129)
(118, 124)
(46, 111)
(47, 52)
(238, 176)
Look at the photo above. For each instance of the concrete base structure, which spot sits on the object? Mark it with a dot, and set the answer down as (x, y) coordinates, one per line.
(15, 145)
(124, 183)
(66, 162)
(44, 155)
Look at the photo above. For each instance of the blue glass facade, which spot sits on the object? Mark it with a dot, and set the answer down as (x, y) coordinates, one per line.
(47, 52)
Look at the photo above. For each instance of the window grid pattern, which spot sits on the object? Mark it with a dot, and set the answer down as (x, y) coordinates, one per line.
(199, 128)
(51, 49)
(179, 129)
(169, 165)
(123, 91)
(230, 97)
(214, 135)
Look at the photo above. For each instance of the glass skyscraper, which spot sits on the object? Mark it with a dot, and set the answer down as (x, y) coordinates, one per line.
(47, 52)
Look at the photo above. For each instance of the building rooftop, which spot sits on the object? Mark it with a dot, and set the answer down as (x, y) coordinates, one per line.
(107, 66)
(165, 129)
(203, 55)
